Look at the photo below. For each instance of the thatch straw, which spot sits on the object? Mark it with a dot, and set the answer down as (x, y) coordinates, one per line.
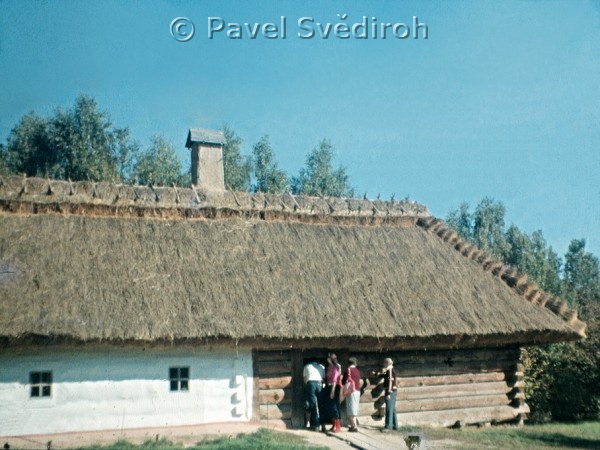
(39, 191)
(95, 278)
(509, 275)
(393, 282)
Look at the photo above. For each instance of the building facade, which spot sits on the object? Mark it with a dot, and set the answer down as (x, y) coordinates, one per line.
(131, 306)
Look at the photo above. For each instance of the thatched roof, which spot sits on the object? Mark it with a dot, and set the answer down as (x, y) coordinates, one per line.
(100, 271)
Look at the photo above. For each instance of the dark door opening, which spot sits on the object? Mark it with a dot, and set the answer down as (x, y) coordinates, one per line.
(299, 359)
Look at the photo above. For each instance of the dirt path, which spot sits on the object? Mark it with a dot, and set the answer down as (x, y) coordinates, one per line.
(368, 438)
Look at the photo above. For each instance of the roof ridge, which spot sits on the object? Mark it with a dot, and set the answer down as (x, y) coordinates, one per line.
(22, 194)
(517, 281)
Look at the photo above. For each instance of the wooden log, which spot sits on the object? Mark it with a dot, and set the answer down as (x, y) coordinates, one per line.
(268, 412)
(255, 386)
(367, 360)
(371, 394)
(437, 404)
(274, 368)
(519, 384)
(452, 403)
(514, 376)
(451, 379)
(277, 396)
(457, 390)
(517, 396)
(275, 382)
(456, 356)
(408, 370)
(281, 356)
(448, 418)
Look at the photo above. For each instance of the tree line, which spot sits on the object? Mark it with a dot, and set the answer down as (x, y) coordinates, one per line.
(562, 380)
(81, 143)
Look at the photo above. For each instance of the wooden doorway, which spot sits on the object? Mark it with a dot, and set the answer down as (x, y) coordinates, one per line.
(300, 358)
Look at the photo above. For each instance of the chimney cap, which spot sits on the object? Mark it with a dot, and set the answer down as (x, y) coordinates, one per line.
(205, 136)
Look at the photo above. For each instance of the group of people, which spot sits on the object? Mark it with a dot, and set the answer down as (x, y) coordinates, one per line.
(326, 387)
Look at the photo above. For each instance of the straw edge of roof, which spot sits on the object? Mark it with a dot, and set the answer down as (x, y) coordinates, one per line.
(517, 281)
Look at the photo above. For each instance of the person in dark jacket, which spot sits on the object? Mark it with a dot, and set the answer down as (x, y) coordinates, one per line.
(389, 384)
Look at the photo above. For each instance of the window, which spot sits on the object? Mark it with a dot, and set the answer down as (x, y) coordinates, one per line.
(41, 384)
(179, 378)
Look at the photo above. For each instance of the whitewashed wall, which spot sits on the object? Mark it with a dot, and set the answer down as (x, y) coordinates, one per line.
(115, 388)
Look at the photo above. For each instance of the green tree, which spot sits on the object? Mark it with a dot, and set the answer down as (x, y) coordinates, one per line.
(488, 226)
(268, 176)
(4, 170)
(127, 154)
(531, 255)
(79, 143)
(319, 178)
(29, 148)
(461, 221)
(159, 165)
(86, 142)
(237, 168)
(581, 274)
(563, 380)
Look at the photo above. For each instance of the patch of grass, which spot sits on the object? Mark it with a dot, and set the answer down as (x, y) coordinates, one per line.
(584, 435)
(162, 444)
(262, 439)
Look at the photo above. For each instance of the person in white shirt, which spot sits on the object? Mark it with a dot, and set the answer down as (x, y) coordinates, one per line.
(313, 384)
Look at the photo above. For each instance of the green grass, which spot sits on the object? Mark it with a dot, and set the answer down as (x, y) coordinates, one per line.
(263, 439)
(584, 435)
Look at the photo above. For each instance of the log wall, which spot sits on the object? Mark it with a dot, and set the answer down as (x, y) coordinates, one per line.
(446, 388)
(273, 387)
(435, 388)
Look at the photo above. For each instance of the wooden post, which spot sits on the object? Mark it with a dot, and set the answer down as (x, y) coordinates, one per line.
(298, 417)
(516, 380)
(255, 387)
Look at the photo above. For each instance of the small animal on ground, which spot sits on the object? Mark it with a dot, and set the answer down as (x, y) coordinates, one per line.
(412, 442)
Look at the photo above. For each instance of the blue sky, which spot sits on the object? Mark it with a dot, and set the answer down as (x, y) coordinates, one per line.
(502, 99)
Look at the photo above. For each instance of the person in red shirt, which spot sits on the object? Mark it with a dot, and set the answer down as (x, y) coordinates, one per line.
(331, 395)
(353, 399)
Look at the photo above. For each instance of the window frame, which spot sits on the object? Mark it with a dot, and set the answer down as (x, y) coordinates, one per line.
(40, 384)
(179, 378)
